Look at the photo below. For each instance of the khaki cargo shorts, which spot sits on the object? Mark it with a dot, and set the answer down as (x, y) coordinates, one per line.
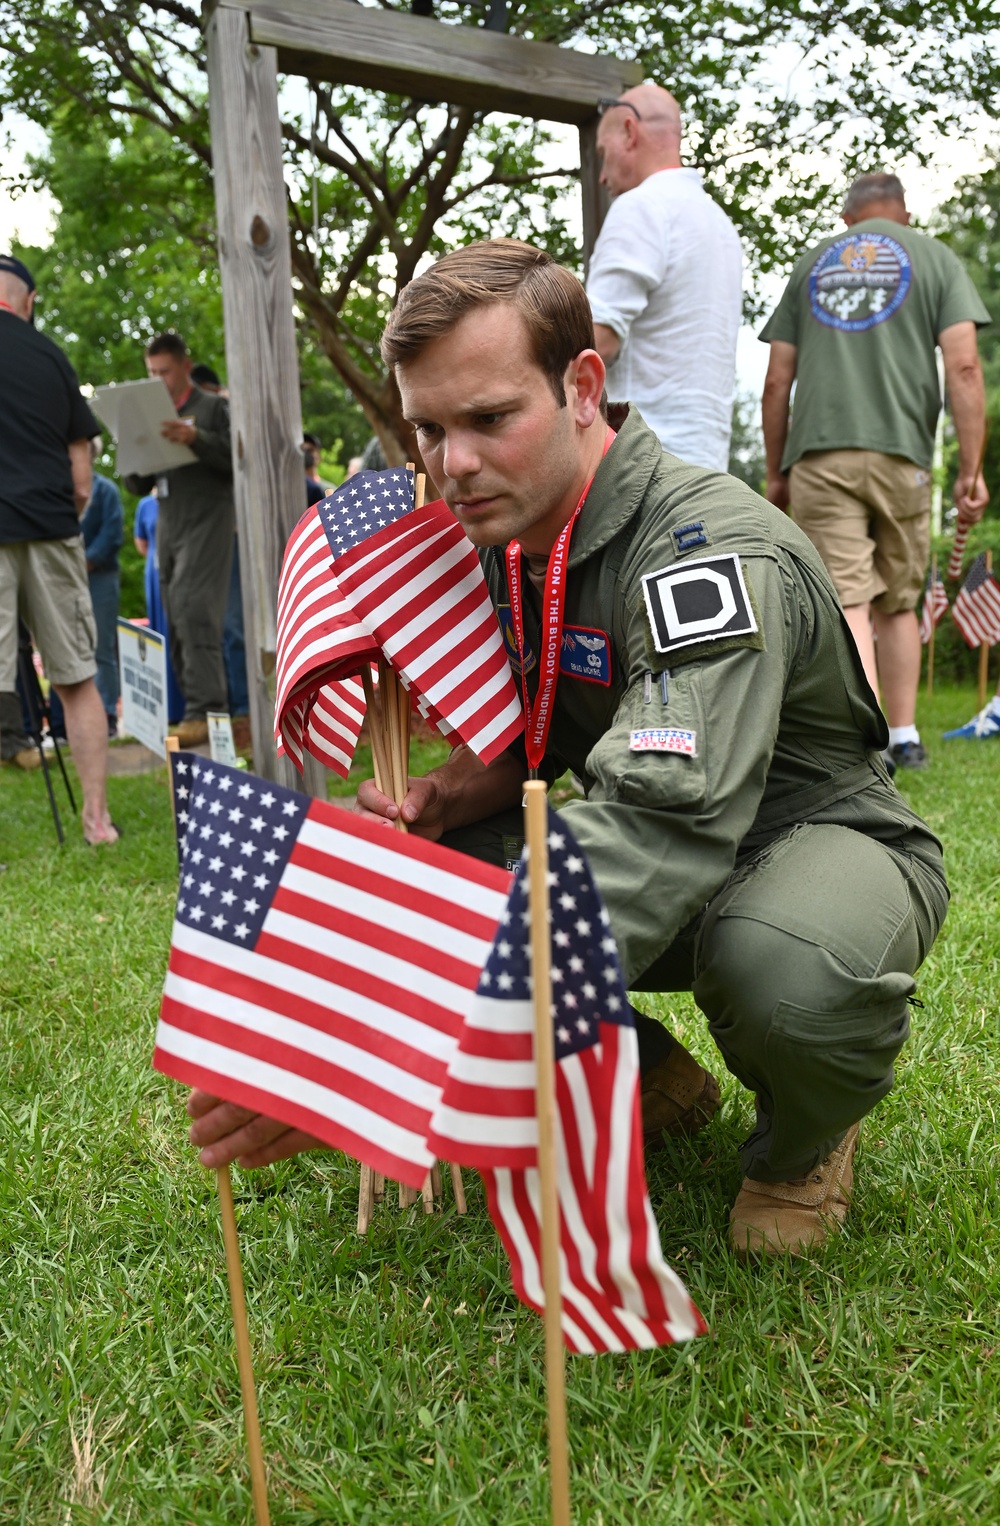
(868, 515)
(46, 581)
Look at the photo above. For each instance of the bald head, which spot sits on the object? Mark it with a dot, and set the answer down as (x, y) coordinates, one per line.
(638, 136)
(15, 294)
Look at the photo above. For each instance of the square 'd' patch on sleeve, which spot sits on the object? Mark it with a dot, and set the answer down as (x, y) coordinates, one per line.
(695, 601)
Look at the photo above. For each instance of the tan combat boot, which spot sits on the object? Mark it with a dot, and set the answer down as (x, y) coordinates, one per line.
(678, 1096)
(793, 1218)
(27, 759)
(192, 733)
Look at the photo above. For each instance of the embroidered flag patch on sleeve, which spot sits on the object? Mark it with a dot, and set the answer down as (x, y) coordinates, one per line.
(664, 739)
(695, 601)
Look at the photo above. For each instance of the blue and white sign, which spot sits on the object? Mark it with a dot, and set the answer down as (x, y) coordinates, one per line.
(142, 663)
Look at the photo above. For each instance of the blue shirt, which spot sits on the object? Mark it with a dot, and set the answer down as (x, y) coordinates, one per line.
(103, 526)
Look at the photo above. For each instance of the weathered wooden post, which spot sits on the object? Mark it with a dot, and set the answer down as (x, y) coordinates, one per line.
(593, 195)
(261, 363)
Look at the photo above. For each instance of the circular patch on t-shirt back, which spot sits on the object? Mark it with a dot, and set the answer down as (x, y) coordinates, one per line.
(859, 281)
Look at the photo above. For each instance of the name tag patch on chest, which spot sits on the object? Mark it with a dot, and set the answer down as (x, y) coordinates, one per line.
(585, 653)
(664, 739)
(695, 601)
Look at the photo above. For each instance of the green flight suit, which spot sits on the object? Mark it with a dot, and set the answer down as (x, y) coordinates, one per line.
(194, 544)
(755, 852)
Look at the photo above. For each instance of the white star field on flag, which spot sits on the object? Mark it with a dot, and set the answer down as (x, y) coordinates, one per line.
(366, 502)
(236, 836)
(586, 976)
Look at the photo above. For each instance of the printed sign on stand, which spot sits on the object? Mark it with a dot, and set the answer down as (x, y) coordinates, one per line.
(142, 663)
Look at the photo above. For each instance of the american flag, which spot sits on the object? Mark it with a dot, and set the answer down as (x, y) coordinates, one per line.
(319, 640)
(416, 592)
(320, 965)
(617, 1291)
(415, 582)
(934, 607)
(976, 610)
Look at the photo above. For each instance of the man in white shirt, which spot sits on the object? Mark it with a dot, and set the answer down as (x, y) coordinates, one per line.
(665, 281)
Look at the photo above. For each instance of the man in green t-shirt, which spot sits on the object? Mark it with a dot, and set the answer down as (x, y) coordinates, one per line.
(856, 331)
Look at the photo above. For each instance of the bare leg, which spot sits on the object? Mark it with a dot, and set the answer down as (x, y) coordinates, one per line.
(87, 734)
(899, 664)
(858, 617)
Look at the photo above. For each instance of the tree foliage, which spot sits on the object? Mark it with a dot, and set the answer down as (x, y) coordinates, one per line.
(134, 248)
(378, 184)
(133, 253)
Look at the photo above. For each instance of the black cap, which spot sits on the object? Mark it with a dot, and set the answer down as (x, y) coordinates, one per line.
(15, 268)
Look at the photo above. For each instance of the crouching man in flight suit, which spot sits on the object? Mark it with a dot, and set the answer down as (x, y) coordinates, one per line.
(683, 652)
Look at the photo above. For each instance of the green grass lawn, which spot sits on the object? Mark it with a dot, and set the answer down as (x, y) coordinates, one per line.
(399, 1380)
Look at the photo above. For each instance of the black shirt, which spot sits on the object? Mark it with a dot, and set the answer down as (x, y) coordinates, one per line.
(41, 411)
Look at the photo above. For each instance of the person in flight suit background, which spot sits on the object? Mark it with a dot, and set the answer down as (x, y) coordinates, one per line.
(195, 529)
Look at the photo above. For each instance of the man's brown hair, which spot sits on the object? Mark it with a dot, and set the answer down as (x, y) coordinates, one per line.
(549, 298)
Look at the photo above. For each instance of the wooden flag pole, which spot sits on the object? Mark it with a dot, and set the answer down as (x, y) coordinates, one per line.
(984, 650)
(244, 1361)
(172, 746)
(933, 620)
(390, 737)
(536, 835)
(379, 763)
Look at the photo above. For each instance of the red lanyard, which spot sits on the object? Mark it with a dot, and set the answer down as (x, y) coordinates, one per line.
(7, 308)
(538, 717)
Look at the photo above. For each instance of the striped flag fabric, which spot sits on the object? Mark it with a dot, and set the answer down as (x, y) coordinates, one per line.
(976, 610)
(326, 722)
(415, 582)
(320, 640)
(320, 966)
(958, 550)
(617, 1291)
(934, 607)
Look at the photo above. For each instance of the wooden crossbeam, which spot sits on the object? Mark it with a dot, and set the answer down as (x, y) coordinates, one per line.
(417, 56)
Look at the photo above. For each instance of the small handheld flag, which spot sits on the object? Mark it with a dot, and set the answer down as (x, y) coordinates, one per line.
(320, 964)
(366, 574)
(934, 606)
(976, 611)
(617, 1291)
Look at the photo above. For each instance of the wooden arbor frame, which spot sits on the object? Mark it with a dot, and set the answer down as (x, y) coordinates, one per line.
(343, 43)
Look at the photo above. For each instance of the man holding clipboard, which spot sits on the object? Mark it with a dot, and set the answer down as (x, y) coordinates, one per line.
(195, 533)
